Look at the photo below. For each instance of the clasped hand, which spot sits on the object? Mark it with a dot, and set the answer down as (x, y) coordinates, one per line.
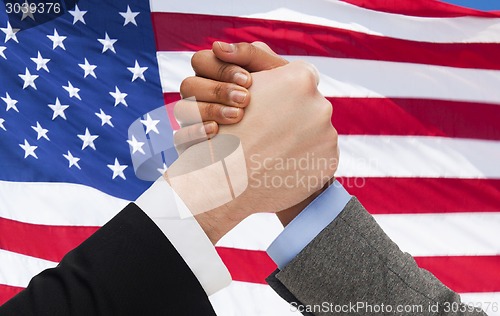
(274, 108)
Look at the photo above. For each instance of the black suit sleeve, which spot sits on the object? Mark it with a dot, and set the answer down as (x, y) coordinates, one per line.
(128, 267)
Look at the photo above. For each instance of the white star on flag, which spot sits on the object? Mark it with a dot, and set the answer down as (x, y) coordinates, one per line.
(136, 145)
(73, 91)
(77, 15)
(119, 97)
(88, 68)
(10, 33)
(28, 12)
(73, 161)
(150, 124)
(28, 149)
(129, 16)
(29, 79)
(163, 170)
(137, 71)
(58, 109)
(1, 124)
(107, 43)
(41, 63)
(41, 132)
(118, 169)
(88, 139)
(105, 119)
(57, 40)
(2, 49)
(11, 103)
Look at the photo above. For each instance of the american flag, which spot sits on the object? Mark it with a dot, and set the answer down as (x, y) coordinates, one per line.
(414, 86)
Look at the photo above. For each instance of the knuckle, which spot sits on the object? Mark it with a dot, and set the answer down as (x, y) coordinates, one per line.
(226, 72)
(248, 51)
(335, 135)
(178, 110)
(178, 137)
(306, 76)
(192, 133)
(328, 109)
(326, 113)
(210, 112)
(182, 112)
(252, 49)
(186, 86)
(218, 91)
(259, 44)
(199, 58)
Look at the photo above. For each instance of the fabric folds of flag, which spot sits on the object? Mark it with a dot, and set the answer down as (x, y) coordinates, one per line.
(414, 91)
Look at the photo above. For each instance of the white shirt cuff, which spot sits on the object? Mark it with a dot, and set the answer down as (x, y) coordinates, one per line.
(167, 211)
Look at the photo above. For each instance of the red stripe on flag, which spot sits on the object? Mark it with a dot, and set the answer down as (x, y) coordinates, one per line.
(393, 116)
(396, 116)
(247, 265)
(422, 8)
(477, 273)
(425, 195)
(465, 274)
(7, 292)
(415, 195)
(192, 32)
(41, 241)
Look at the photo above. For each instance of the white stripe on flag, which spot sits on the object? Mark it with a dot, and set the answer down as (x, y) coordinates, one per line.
(63, 204)
(17, 270)
(342, 77)
(453, 234)
(416, 156)
(342, 15)
(362, 156)
(247, 299)
(489, 302)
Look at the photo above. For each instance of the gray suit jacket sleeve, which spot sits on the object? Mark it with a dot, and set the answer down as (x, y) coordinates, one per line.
(352, 267)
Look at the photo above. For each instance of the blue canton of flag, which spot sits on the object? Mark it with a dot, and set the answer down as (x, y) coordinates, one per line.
(70, 87)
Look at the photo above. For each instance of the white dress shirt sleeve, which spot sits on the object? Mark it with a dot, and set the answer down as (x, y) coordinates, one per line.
(168, 212)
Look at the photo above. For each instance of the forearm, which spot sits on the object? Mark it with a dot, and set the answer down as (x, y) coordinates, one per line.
(127, 267)
(353, 260)
(202, 193)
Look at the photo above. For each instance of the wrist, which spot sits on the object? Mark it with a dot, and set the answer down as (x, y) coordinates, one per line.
(288, 215)
(218, 222)
(202, 195)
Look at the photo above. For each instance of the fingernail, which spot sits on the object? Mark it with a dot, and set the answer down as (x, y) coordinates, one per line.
(240, 78)
(227, 48)
(238, 96)
(230, 112)
(208, 128)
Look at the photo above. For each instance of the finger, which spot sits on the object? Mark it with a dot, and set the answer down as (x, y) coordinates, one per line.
(208, 90)
(205, 64)
(194, 134)
(252, 57)
(310, 70)
(264, 47)
(189, 112)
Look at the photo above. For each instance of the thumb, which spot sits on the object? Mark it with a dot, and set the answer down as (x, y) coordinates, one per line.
(253, 57)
